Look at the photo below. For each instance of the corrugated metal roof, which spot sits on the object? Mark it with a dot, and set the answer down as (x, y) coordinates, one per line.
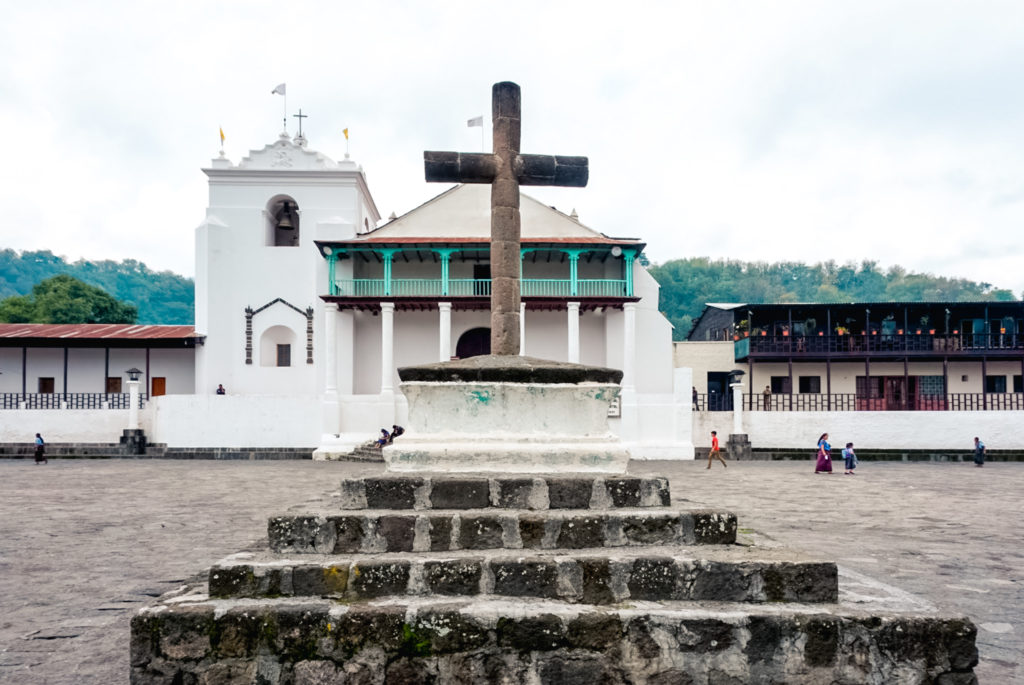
(96, 331)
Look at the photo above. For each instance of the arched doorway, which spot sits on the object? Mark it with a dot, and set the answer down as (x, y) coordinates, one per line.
(473, 343)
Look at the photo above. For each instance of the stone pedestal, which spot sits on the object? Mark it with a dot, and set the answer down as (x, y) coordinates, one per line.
(738, 447)
(134, 441)
(508, 414)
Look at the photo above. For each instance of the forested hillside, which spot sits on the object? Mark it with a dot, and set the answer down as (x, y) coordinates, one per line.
(687, 284)
(161, 297)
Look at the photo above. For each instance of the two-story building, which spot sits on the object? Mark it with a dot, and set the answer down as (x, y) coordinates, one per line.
(964, 360)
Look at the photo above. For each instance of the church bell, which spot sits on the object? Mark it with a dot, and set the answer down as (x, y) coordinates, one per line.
(284, 218)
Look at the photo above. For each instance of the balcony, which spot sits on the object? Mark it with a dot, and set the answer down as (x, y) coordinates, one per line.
(475, 287)
(817, 402)
(922, 345)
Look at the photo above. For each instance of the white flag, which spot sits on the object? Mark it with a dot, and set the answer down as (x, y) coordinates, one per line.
(280, 90)
(476, 121)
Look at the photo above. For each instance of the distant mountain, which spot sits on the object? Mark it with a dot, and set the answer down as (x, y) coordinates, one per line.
(687, 284)
(162, 297)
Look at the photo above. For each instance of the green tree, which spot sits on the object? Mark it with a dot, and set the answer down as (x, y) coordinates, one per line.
(65, 299)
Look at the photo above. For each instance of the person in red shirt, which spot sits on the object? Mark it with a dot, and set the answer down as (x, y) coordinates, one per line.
(714, 453)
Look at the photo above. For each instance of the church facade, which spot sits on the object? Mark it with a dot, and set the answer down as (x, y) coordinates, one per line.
(306, 306)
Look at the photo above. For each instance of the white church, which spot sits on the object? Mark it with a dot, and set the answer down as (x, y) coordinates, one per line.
(307, 304)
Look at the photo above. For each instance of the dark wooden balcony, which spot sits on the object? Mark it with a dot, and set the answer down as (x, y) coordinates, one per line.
(923, 345)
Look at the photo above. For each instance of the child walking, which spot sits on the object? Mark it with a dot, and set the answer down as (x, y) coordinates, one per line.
(714, 453)
(850, 458)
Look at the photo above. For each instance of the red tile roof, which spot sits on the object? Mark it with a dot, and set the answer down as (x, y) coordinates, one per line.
(96, 331)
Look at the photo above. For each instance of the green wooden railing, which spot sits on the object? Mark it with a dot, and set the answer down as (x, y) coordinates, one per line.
(476, 287)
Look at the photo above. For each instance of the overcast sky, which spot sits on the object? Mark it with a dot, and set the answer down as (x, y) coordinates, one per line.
(890, 131)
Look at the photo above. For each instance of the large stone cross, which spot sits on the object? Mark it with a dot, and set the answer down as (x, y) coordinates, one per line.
(505, 169)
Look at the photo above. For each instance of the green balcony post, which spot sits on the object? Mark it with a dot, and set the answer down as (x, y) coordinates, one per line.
(446, 257)
(574, 258)
(332, 260)
(523, 251)
(628, 255)
(388, 254)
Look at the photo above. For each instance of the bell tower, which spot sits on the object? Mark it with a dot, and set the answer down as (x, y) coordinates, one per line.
(259, 275)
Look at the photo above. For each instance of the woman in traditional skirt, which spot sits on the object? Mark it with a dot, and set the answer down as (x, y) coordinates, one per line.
(824, 462)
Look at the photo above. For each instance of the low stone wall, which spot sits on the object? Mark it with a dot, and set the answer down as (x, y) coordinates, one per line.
(904, 455)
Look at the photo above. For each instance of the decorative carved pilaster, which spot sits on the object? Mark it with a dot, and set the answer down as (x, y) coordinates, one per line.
(309, 335)
(248, 335)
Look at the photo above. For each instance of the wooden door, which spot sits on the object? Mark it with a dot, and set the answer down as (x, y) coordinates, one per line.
(159, 386)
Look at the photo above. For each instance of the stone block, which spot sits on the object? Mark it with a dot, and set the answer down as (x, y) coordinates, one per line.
(543, 632)
(597, 581)
(379, 578)
(579, 669)
(525, 578)
(514, 493)
(303, 534)
(460, 493)
(451, 632)
(392, 492)
(578, 532)
(480, 532)
(654, 492)
(398, 532)
(595, 632)
(531, 531)
(364, 627)
(624, 492)
(440, 531)
(653, 578)
(349, 534)
(710, 528)
(353, 494)
(453, 576)
(569, 493)
(663, 529)
(801, 582)
(237, 634)
(232, 581)
(313, 580)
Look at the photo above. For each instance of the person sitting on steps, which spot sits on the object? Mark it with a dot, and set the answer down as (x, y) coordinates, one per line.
(384, 438)
(395, 432)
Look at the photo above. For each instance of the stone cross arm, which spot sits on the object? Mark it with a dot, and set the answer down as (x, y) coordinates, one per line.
(530, 170)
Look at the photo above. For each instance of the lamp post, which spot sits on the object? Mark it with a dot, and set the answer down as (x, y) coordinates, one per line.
(133, 398)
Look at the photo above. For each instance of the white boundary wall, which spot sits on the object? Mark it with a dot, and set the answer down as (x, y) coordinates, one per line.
(233, 420)
(868, 429)
(63, 425)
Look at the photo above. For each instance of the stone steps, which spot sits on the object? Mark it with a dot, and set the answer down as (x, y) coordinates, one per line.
(506, 492)
(592, 578)
(438, 640)
(440, 530)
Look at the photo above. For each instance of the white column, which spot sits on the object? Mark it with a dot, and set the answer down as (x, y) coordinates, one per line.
(133, 405)
(387, 347)
(331, 349)
(574, 332)
(522, 329)
(629, 345)
(737, 408)
(444, 351)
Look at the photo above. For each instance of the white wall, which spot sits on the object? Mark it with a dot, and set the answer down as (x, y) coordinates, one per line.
(69, 425)
(232, 421)
(868, 429)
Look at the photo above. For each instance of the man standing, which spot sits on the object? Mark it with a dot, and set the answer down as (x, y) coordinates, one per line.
(714, 453)
(767, 398)
(979, 452)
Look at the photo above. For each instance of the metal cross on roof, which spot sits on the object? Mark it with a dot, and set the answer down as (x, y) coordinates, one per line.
(300, 116)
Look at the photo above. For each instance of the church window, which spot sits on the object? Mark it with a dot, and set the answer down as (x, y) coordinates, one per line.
(810, 385)
(282, 222)
(276, 345)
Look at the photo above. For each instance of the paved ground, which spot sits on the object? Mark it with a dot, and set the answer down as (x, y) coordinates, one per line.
(84, 543)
